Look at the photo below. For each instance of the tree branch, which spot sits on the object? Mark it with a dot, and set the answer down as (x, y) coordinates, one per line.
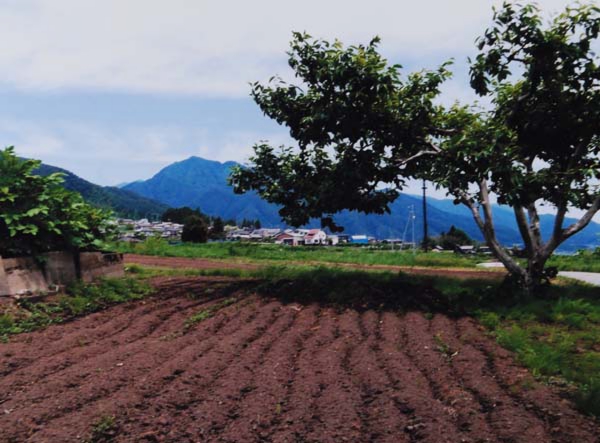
(524, 228)
(583, 221)
(487, 228)
(534, 225)
(417, 155)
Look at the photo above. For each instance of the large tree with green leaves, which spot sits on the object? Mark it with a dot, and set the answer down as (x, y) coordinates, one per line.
(37, 214)
(363, 129)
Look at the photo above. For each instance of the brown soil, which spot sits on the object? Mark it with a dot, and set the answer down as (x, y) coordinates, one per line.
(202, 263)
(259, 370)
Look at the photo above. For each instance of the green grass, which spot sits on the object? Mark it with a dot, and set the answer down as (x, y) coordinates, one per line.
(80, 299)
(270, 252)
(557, 338)
(142, 272)
(584, 261)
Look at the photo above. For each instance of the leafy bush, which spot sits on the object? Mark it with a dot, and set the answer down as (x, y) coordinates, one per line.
(37, 214)
(195, 230)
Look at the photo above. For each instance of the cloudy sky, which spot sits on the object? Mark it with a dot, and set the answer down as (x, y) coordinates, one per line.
(114, 90)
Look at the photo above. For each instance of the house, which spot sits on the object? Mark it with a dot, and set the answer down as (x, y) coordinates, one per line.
(239, 234)
(265, 233)
(289, 237)
(465, 249)
(315, 237)
(485, 250)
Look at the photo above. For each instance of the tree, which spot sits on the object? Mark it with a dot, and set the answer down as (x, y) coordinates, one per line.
(454, 237)
(363, 129)
(180, 215)
(37, 214)
(195, 230)
(218, 228)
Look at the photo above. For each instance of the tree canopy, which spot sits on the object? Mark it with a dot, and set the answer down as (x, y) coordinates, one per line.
(195, 230)
(363, 128)
(37, 214)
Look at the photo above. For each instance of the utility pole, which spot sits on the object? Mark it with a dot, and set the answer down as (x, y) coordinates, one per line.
(425, 233)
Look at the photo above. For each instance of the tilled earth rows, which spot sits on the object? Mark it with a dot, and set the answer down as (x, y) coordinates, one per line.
(258, 370)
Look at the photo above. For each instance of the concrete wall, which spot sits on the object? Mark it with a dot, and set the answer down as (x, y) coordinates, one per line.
(96, 264)
(24, 275)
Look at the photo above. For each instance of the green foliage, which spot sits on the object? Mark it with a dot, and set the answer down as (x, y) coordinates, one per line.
(124, 203)
(550, 111)
(81, 298)
(207, 313)
(454, 237)
(37, 214)
(104, 430)
(195, 230)
(353, 102)
(362, 130)
(585, 261)
(217, 229)
(181, 215)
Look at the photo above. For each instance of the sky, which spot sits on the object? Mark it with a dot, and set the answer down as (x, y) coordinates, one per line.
(114, 90)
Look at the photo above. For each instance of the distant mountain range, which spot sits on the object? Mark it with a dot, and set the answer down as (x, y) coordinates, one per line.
(201, 183)
(123, 202)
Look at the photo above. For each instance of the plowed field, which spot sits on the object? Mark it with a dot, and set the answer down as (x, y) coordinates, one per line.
(257, 370)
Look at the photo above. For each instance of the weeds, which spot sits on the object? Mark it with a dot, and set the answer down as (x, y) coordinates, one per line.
(207, 313)
(104, 430)
(443, 347)
(81, 298)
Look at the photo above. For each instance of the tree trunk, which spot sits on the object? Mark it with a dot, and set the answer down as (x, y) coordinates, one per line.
(534, 275)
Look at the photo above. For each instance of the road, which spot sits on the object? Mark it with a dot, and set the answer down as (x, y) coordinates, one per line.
(592, 278)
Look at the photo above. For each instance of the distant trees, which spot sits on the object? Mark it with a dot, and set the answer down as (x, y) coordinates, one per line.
(218, 229)
(362, 130)
(37, 214)
(215, 225)
(195, 230)
(180, 215)
(454, 237)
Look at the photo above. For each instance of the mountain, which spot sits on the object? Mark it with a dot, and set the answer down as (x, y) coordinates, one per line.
(201, 183)
(124, 203)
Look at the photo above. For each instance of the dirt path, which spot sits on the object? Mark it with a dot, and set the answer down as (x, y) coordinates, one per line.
(202, 263)
(257, 370)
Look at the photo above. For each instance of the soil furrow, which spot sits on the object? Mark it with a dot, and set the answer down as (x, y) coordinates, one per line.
(564, 423)
(383, 421)
(334, 411)
(262, 371)
(207, 409)
(144, 324)
(194, 378)
(299, 414)
(55, 341)
(260, 411)
(508, 421)
(431, 415)
(76, 367)
(155, 369)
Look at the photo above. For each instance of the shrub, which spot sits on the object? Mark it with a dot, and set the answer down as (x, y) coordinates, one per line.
(37, 214)
(195, 230)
